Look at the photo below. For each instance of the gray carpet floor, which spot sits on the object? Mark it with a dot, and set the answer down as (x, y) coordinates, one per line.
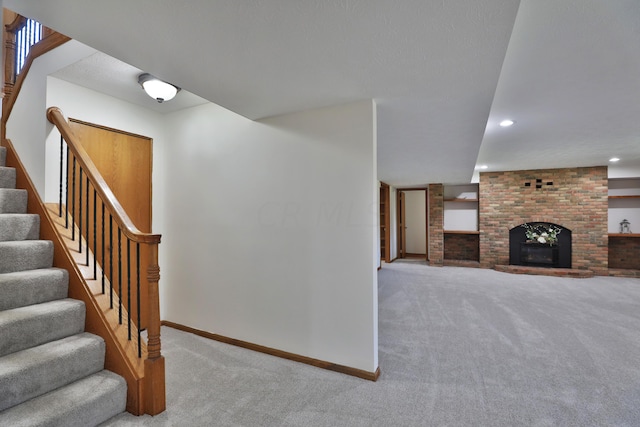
(458, 347)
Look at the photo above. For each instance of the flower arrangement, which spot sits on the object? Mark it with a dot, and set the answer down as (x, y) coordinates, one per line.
(542, 233)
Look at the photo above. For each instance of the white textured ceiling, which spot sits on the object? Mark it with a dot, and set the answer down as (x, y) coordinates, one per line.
(113, 77)
(442, 72)
(571, 81)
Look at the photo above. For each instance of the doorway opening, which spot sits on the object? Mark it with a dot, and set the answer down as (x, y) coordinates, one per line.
(413, 230)
(385, 228)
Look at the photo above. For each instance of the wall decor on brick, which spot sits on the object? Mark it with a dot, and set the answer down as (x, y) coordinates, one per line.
(575, 198)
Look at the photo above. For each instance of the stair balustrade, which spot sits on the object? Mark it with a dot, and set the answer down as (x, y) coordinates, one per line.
(120, 261)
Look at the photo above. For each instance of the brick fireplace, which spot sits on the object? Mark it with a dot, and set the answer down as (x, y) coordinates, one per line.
(575, 198)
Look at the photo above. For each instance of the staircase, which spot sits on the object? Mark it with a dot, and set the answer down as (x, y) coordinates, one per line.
(51, 371)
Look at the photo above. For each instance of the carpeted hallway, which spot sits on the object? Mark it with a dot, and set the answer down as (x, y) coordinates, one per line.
(458, 347)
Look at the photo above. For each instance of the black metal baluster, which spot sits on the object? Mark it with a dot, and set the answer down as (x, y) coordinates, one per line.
(29, 35)
(103, 245)
(66, 193)
(20, 48)
(87, 218)
(24, 49)
(80, 211)
(129, 287)
(60, 191)
(111, 260)
(119, 276)
(138, 297)
(95, 236)
(73, 201)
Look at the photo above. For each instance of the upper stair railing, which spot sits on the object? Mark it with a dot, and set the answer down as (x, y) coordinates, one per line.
(24, 40)
(113, 267)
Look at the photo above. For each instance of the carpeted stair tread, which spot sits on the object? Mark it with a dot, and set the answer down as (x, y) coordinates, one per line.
(25, 255)
(13, 201)
(51, 371)
(84, 403)
(38, 370)
(25, 327)
(23, 288)
(7, 177)
(19, 227)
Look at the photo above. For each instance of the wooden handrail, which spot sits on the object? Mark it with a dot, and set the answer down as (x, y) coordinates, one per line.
(55, 116)
(154, 392)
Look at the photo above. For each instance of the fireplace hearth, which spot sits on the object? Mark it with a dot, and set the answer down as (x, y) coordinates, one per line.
(532, 254)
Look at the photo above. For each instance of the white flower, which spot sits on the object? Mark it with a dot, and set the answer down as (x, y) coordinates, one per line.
(542, 239)
(544, 234)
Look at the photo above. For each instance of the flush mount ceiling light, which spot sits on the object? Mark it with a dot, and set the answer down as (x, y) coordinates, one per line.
(157, 89)
(482, 167)
(506, 123)
(614, 159)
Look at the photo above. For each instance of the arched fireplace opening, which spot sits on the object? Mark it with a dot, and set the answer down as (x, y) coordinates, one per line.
(541, 252)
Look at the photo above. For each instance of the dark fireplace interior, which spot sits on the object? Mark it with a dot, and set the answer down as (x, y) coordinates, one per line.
(540, 255)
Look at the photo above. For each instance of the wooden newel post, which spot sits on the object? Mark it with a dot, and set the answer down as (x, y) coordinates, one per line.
(12, 23)
(155, 396)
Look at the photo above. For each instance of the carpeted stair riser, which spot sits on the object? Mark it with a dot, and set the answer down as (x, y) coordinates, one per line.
(13, 201)
(87, 402)
(24, 288)
(51, 371)
(35, 371)
(25, 327)
(7, 177)
(25, 255)
(19, 227)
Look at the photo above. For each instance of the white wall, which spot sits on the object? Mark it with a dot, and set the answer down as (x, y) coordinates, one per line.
(461, 216)
(271, 229)
(393, 222)
(27, 126)
(416, 221)
(620, 209)
(87, 105)
(378, 231)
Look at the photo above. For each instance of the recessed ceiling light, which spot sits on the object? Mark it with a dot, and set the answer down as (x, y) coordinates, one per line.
(614, 159)
(506, 123)
(482, 167)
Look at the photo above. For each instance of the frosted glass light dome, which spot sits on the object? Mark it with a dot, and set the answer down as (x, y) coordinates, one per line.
(157, 89)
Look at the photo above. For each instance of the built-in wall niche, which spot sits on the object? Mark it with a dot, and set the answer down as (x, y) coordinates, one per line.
(461, 208)
(624, 203)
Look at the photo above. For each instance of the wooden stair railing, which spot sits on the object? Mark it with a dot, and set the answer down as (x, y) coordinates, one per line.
(14, 78)
(112, 276)
(141, 364)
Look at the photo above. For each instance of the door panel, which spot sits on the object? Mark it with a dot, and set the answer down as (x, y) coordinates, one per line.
(125, 162)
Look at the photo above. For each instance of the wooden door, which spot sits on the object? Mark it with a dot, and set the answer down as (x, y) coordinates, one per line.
(385, 250)
(125, 162)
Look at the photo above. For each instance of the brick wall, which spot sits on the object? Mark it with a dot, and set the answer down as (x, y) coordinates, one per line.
(464, 247)
(436, 224)
(624, 252)
(575, 198)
